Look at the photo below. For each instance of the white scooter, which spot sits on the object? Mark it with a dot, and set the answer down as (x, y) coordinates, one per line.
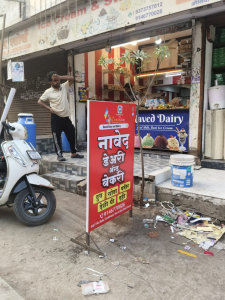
(32, 196)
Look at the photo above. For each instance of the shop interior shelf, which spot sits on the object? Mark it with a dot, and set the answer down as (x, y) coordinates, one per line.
(221, 68)
(187, 86)
(219, 45)
(186, 69)
(112, 90)
(185, 54)
(114, 71)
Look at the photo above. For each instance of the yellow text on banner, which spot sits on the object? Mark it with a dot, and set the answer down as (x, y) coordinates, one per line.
(121, 197)
(106, 204)
(124, 187)
(98, 197)
(112, 192)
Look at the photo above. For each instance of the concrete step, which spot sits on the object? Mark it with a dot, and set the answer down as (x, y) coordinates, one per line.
(63, 181)
(207, 195)
(154, 178)
(156, 170)
(49, 166)
(213, 164)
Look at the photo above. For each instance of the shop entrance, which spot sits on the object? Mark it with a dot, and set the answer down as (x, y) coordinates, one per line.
(164, 116)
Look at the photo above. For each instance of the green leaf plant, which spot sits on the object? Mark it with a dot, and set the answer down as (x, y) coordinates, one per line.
(137, 60)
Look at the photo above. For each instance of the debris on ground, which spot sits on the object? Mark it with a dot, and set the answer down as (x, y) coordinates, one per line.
(208, 253)
(148, 221)
(95, 287)
(203, 238)
(123, 247)
(142, 260)
(147, 202)
(112, 240)
(192, 225)
(83, 282)
(187, 253)
(153, 234)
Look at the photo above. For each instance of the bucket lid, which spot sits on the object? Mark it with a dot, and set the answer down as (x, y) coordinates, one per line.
(25, 115)
(217, 87)
(182, 158)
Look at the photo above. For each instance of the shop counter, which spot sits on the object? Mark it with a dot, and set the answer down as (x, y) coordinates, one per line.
(163, 129)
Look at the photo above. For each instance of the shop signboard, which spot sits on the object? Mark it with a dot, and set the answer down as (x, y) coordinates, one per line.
(163, 129)
(111, 129)
(90, 18)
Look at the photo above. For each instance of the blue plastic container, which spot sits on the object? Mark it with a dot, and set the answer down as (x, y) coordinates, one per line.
(27, 120)
(65, 143)
(182, 170)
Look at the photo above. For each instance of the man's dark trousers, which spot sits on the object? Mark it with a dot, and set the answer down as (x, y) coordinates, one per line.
(60, 124)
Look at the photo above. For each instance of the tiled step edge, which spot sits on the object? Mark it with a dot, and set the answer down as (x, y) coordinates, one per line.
(67, 168)
(65, 182)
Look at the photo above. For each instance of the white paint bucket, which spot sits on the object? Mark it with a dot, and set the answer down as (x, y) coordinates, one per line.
(182, 170)
(217, 97)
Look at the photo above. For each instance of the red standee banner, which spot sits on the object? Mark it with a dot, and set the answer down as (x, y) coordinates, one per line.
(111, 128)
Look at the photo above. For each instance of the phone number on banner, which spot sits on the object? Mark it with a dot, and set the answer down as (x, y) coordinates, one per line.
(150, 14)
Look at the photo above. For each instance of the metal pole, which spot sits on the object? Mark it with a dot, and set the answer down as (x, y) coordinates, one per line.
(2, 42)
(88, 238)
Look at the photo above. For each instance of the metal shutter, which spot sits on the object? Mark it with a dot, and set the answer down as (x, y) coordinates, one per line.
(28, 92)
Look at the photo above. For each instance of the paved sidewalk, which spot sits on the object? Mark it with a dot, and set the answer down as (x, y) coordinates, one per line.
(40, 267)
(152, 163)
(7, 292)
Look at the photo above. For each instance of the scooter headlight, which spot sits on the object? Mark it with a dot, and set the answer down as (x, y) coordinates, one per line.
(16, 155)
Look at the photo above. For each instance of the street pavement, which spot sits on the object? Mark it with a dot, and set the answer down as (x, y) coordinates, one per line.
(41, 263)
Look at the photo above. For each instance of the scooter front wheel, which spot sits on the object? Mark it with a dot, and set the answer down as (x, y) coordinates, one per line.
(38, 213)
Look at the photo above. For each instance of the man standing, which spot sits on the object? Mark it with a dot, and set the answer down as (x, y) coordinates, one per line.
(57, 95)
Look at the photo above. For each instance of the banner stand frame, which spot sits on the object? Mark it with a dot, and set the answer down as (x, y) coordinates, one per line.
(88, 242)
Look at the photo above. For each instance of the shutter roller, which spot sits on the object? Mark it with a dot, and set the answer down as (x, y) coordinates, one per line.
(28, 92)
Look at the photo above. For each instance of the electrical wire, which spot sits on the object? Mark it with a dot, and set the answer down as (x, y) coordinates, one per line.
(100, 274)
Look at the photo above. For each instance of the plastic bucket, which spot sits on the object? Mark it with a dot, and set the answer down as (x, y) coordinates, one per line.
(27, 120)
(217, 97)
(182, 170)
(65, 143)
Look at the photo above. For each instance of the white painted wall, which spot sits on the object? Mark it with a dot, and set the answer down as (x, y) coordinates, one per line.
(80, 106)
(195, 87)
(11, 9)
(71, 91)
(33, 7)
(168, 62)
(208, 69)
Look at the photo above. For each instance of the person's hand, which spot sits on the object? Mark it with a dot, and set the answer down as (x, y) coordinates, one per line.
(56, 77)
(51, 110)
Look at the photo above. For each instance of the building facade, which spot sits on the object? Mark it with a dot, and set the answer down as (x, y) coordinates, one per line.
(70, 35)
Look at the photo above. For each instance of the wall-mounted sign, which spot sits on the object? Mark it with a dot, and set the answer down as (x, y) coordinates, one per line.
(90, 20)
(163, 129)
(17, 71)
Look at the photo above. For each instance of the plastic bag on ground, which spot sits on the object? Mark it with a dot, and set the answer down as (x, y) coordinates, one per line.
(96, 287)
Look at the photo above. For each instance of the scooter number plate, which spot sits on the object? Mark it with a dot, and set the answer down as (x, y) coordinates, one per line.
(34, 154)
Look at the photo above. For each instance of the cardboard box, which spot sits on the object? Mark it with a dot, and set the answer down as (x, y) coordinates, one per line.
(186, 41)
